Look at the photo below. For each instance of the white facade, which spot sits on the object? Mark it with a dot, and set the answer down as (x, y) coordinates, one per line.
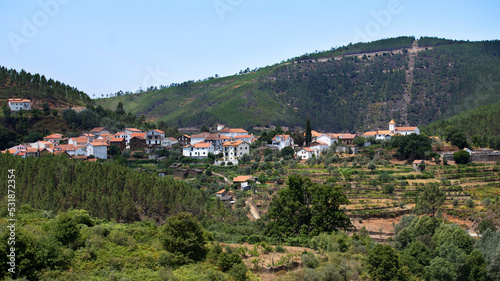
(99, 150)
(232, 132)
(18, 104)
(245, 138)
(199, 138)
(329, 139)
(305, 153)
(128, 133)
(282, 141)
(166, 142)
(235, 149)
(199, 150)
(154, 137)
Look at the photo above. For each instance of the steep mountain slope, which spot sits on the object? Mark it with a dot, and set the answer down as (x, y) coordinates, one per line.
(352, 88)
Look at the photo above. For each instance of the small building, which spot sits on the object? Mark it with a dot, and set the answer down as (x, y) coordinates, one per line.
(18, 104)
(305, 153)
(199, 150)
(137, 142)
(221, 193)
(282, 141)
(129, 132)
(232, 132)
(168, 142)
(89, 136)
(233, 150)
(79, 141)
(120, 142)
(184, 140)
(419, 165)
(154, 137)
(98, 148)
(54, 138)
(98, 131)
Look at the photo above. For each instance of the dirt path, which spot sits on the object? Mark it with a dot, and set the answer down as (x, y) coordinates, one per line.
(253, 209)
(224, 177)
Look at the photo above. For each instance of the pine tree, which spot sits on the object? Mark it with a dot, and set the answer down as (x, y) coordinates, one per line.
(308, 132)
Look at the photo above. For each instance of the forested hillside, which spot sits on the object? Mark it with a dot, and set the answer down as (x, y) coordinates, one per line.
(37, 87)
(352, 88)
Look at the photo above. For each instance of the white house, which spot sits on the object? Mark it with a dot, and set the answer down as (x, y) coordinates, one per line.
(128, 133)
(54, 138)
(245, 138)
(232, 150)
(97, 148)
(305, 153)
(97, 131)
(72, 150)
(329, 139)
(282, 141)
(168, 141)
(154, 137)
(18, 104)
(199, 150)
(79, 141)
(42, 144)
(319, 147)
(199, 137)
(232, 132)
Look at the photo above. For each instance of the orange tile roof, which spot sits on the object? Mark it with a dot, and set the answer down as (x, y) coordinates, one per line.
(348, 136)
(202, 145)
(202, 135)
(31, 149)
(308, 149)
(232, 143)
(228, 130)
(81, 140)
(116, 139)
(282, 136)
(98, 143)
(370, 133)
(138, 135)
(65, 147)
(418, 161)
(97, 129)
(158, 131)
(242, 178)
(133, 129)
(243, 137)
(405, 128)
(318, 143)
(21, 153)
(54, 136)
(392, 122)
(221, 191)
(384, 132)
(19, 100)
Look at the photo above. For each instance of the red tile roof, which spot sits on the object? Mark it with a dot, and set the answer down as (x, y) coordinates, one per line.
(202, 145)
(242, 178)
(97, 129)
(54, 136)
(138, 135)
(232, 143)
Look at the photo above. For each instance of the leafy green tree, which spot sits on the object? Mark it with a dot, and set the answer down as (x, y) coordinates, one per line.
(33, 137)
(359, 141)
(183, 236)
(306, 208)
(412, 146)
(55, 113)
(308, 132)
(7, 112)
(119, 109)
(66, 229)
(45, 109)
(382, 263)
(113, 150)
(8, 138)
(287, 151)
(430, 200)
(371, 166)
(440, 269)
(204, 128)
(35, 113)
(461, 157)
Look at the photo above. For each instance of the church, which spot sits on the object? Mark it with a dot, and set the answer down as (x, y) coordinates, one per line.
(393, 130)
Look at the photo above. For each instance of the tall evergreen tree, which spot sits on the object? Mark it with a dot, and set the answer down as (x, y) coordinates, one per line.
(308, 132)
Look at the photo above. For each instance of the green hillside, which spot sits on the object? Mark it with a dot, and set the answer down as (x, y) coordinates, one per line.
(480, 125)
(37, 87)
(352, 88)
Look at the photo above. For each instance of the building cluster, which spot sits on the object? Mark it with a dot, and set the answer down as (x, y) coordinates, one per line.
(94, 143)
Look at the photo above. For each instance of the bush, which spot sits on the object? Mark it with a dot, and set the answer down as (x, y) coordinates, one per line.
(280, 249)
(461, 157)
(66, 229)
(470, 203)
(239, 272)
(309, 260)
(455, 202)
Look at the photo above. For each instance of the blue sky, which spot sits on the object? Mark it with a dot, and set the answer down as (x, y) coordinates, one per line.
(102, 47)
